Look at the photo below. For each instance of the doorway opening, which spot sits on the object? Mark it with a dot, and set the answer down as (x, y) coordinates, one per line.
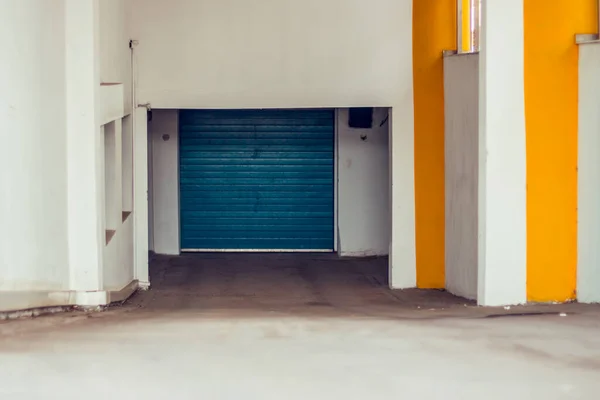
(297, 195)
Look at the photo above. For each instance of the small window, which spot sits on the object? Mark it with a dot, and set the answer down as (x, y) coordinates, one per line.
(468, 25)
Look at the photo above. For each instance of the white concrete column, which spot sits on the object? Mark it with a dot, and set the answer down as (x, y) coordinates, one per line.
(402, 264)
(402, 257)
(140, 195)
(84, 144)
(588, 168)
(502, 160)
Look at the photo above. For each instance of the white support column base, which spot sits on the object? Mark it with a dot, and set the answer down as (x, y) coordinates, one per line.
(140, 194)
(13, 301)
(402, 253)
(588, 178)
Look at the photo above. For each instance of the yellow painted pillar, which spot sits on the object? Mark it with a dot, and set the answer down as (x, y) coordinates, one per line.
(551, 79)
(434, 30)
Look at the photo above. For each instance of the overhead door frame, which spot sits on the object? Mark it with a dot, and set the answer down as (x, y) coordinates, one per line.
(335, 200)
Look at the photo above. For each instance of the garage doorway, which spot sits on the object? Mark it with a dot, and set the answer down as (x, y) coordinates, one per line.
(256, 180)
(311, 174)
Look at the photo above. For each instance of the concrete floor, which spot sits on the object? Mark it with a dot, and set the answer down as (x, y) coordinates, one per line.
(299, 327)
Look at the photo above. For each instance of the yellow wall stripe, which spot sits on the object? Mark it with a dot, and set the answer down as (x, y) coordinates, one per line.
(434, 30)
(551, 79)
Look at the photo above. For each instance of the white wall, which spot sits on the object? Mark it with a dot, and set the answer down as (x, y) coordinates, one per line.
(165, 181)
(363, 179)
(272, 53)
(329, 53)
(33, 203)
(588, 208)
(363, 186)
(290, 54)
(461, 99)
(52, 107)
(115, 55)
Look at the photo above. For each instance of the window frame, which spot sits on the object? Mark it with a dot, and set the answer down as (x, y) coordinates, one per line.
(468, 24)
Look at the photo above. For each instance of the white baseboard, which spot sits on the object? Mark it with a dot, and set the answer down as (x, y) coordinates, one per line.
(12, 301)
(16, 301)
(143, 285)
(124, 293)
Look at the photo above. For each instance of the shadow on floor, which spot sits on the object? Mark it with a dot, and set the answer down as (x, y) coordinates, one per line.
(267, 287)
(307, 284)
(246, 285)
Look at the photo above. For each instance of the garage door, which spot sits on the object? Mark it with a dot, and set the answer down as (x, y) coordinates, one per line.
(256, 180)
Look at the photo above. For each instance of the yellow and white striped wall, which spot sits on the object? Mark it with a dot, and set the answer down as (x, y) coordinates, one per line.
(536, 226)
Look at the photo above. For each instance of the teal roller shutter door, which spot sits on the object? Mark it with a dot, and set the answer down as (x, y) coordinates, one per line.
(257, 179)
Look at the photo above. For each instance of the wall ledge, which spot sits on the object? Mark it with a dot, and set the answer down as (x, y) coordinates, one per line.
(453, 53)
(587, 38)
(111, 102)
(363, 254)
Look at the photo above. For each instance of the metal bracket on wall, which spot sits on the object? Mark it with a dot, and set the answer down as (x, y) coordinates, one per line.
(148, 108)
